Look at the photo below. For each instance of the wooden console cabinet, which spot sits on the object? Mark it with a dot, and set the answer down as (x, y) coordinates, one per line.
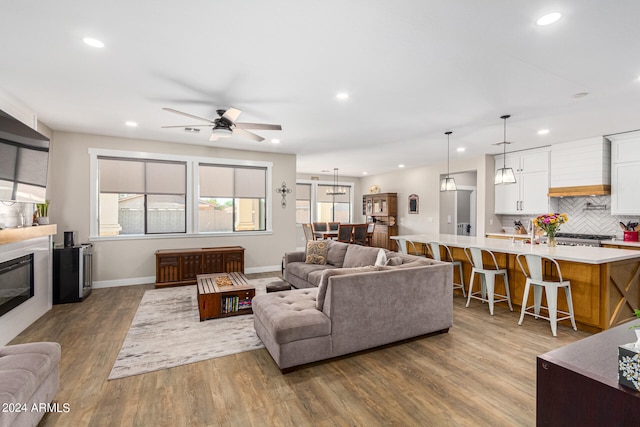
(382, 208)
(178, 267)
(578, 384)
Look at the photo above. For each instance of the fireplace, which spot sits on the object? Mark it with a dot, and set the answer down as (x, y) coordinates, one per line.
(16, 282)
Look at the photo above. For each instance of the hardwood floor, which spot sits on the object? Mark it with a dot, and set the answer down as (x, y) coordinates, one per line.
(480, 373)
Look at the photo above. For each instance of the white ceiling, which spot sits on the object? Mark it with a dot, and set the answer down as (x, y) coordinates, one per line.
(413, 70)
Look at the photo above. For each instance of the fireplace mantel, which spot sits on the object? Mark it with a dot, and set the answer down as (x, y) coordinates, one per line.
(13, 235)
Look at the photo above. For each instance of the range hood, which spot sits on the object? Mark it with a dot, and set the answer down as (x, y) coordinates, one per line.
(581, 168)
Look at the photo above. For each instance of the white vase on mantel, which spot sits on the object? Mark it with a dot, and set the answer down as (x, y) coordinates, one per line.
(43, 220)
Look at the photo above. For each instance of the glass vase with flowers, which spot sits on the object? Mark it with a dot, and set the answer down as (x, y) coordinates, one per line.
(550, 223)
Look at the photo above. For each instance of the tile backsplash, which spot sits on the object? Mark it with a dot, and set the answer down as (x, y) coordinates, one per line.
(583, 219)
(14, 214)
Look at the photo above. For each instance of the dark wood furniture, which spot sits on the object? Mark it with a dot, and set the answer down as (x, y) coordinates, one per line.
(578, 384)
(382, 208)
(177, 267)
(216, 300)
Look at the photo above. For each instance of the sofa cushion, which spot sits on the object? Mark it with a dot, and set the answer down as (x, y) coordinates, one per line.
(396, 260)
(302, 270)
(316, 252)
(291, 315)
(336, 253)
(324, 280)
(24, 368)
(360, 256)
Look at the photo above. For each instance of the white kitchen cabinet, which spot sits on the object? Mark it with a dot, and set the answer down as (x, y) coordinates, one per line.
(625, 174)
(529, 194)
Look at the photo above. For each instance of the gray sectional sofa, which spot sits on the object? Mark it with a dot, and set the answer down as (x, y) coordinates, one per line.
(350, 304)
(29, 379)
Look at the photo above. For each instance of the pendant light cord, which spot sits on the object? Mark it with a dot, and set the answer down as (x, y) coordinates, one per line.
(504, 143)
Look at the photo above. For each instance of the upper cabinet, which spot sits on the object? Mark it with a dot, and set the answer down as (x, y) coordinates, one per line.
(529, 194)
(625, 173)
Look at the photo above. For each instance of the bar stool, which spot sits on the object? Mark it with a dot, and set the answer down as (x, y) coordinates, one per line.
(488, 279)
(434, 250)
(535, 277)
(402, 247)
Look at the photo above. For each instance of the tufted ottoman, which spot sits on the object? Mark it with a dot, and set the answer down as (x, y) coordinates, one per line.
(29, 375)
(291, 327)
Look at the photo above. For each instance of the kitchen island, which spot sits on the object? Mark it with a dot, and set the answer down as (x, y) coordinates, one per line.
(605, 282)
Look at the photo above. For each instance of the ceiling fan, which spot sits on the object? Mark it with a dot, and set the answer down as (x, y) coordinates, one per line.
(225, 125)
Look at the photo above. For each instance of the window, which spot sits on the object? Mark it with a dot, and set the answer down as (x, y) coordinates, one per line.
(141, 196)
(231, 198)
(303, 203)
(314, 204)
(333, 207)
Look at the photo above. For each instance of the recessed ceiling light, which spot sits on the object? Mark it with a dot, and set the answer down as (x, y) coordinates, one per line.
(131, 124)
(93, 42)
(461, 149)
(580, 94)
(400, 166)
(365, 173)
(275, 141)
(549, 18)
(543, 131)
(342, 95)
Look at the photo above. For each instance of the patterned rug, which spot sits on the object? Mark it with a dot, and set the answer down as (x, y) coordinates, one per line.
(166, 332)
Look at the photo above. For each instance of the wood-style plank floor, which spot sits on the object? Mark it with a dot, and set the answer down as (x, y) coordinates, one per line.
(481, 373)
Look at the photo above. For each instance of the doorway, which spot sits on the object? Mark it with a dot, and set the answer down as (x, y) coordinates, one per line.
(458, 209)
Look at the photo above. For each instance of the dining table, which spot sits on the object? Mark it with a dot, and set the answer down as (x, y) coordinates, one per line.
(327, 234)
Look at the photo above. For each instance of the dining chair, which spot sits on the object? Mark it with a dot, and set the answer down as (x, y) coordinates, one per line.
(434, 249)
(333, 225)
(360, 234)
(345, 232)
(308, 232)
(488, 275)
(319, 226)
(370, 230)
(534, 272)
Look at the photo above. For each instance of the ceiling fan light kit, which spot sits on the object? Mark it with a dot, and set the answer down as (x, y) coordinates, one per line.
(447, 183)
(225, 125)
(504, 175)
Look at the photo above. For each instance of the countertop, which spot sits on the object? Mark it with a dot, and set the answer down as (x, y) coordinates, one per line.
(509, 235)
(621, 243)
(12, 235)
(582, 254)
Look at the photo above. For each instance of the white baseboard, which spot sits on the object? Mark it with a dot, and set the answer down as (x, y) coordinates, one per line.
(152, 279)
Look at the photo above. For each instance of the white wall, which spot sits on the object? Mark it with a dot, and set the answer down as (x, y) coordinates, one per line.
(133, 261)
(425, 182)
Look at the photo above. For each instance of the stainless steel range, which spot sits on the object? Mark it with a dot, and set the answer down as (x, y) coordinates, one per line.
(575, 239)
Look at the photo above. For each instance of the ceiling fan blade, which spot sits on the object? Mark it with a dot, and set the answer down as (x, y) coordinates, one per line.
(171, 110)
(248, 134)
(187, 126)
(258, 126)
(232, 114)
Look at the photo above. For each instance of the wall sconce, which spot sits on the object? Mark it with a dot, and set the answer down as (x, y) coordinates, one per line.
(283, 191)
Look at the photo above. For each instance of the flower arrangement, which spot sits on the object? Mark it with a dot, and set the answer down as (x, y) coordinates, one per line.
(550, 222)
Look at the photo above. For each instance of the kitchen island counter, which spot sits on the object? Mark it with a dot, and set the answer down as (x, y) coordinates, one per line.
(605, 282)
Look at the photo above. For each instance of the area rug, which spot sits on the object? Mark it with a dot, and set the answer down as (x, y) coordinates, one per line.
(166, 332)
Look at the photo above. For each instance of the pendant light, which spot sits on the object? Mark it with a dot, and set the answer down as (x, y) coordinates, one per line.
(336, 191)
(504, 175)
(447, 183)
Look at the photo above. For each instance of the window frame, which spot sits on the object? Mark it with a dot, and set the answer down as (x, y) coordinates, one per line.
(314, 199)
(192, 190)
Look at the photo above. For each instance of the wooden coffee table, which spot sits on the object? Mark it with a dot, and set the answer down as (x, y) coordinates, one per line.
(224, 295)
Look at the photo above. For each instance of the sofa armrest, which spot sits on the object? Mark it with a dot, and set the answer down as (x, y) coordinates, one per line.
(293, 257)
